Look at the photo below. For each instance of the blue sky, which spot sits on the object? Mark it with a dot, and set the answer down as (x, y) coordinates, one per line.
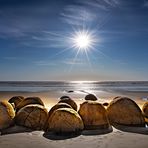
(35, 45)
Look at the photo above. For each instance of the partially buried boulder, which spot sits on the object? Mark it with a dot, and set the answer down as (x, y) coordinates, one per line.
(16, 100)
(125, 111)
(32, 116)
(69, 101)
(65, 120)
(54, 108)
(29, 100)
(93, 115)
(105, 104)
(90, 97)
(7, 114)
(63, 97)
(57, 106)
(145, 109)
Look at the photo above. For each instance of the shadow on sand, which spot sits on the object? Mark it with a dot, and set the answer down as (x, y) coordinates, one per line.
(57, 136)
(97, 131)
(15, 129)
(137, 130)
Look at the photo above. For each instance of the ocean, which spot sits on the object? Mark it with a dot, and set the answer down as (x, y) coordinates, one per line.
(43, 86)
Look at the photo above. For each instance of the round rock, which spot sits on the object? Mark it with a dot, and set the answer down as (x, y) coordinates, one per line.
(125, 111)
(32, 116)
(16, 100)
(29, 100)
(90, 97)
(105, 104)
(69, 101)
(7, 114)
(145, 109)
(65, 120)
(57, 106)
(63, 97)
(93, 115)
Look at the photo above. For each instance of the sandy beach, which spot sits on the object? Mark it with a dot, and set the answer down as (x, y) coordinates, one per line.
(19, 137)
(115, 139)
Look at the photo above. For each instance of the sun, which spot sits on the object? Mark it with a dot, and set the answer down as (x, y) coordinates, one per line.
(82, 40)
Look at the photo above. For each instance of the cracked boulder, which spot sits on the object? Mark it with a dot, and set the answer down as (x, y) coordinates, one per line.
(7, 114)
(16, 100)
(65, 120)
(28, 101)
(54, 108)
(93, 115)
(125, 111)
(57, 106)
(69, 101)
(145, 111)
(32, 116)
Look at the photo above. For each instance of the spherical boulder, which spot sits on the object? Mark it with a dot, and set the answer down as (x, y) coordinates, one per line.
(32, 116)
(29, 100)
(91, 97)
(93, 115)
(16, 100)
(105, 104)
(57, 106)
(63, 97)
(7, 114)
(125, 111)
(65, 120)
(70, 102)
(145, 111)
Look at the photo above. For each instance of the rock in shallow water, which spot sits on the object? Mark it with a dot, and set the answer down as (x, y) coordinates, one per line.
(65, 120)
(32, 116)
(91, 97)
(125, 111)
(93, 115)
(7, 114)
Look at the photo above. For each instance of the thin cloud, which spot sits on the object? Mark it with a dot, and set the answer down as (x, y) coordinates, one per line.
(72, 62)
(145, 3)
(12, 58)
(103, 4)
(77, 15)
(44, 63)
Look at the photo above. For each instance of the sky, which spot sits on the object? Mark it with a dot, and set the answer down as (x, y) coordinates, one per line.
(36, 45)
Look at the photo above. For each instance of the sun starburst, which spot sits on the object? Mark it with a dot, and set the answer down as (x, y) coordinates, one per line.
(83, 40)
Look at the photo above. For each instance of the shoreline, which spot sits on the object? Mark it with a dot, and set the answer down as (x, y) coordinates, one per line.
(51, 97)
(121, 137)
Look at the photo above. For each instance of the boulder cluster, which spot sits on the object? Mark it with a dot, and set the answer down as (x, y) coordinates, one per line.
(65, 117)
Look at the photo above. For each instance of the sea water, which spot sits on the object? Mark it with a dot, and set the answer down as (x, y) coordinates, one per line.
(42, 86)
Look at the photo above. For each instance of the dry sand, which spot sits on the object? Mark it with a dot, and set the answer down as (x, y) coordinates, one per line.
(123, 137)
(115, 139)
